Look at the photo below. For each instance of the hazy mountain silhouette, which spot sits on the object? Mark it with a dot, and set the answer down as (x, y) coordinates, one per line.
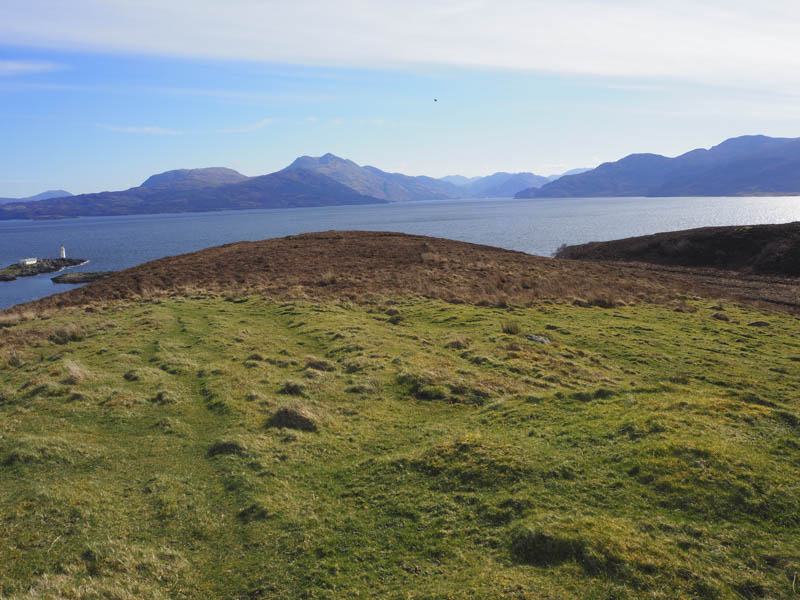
(565, 173)
(503, 185)
(371, 181)
(42, 196)
(459, 180)
(743, 166)
(169, 193)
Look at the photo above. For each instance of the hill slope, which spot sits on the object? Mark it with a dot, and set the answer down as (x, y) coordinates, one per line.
(391, 446)
(164, 195)
(743, 166)
(771, 249)
(362, 264)
(43, 196)
(394, 187)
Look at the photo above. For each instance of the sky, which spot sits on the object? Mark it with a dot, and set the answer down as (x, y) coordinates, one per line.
(100, 94)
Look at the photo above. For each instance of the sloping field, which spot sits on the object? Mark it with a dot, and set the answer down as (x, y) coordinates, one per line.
(236, 445)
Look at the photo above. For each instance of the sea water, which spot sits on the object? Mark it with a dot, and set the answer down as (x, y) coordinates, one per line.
(536, 226)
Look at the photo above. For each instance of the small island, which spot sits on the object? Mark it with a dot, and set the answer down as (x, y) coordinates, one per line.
(33, 266)
(82, 277)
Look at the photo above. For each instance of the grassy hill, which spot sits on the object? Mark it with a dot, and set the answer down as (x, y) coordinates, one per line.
(322, 440)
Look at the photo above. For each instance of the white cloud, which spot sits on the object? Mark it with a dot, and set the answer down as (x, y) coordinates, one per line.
(148, 129)
(730, 42)
(24, 67)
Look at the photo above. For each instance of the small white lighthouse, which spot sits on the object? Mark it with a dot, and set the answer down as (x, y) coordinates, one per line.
(63, 252)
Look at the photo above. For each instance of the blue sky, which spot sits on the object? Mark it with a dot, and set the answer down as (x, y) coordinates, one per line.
(100, 94)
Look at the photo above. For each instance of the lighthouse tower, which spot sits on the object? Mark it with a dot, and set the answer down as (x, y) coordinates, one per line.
(63, 252)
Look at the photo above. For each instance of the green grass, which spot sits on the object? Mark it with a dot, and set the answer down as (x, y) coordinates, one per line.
(197, 448)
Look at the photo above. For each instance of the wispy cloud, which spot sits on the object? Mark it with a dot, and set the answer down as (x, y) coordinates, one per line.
(636, 87)
(146, 129)
(246, 128)
(25, 67)
(156, 130)
(237, 96)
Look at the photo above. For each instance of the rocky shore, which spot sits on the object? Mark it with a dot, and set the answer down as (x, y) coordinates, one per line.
(43, 265)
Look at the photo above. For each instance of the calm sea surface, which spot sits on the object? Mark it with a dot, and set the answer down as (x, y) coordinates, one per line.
(537, 226)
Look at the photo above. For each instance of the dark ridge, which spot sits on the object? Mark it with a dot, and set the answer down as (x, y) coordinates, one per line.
(758, 249)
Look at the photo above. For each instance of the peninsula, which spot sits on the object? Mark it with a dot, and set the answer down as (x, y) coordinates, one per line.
(37, 267)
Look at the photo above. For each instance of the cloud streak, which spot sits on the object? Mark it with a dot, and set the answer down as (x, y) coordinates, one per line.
(246, 128)
(25, 67)
(155, 130)
(730, 42)
(145, 129)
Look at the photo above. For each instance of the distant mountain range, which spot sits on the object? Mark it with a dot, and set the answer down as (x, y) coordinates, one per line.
(43, 196)
(309, 181)
(753, 165)
(749, 165)
(396, 187)
(191, 190)
(501, 184)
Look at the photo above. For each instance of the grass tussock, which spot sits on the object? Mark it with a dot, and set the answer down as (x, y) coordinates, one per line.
(226, 448)
(295, 416)
(68, 333)
(472, 462)
(319, 364)
(12, 357)
(293, 388)
(458, 343)
(9, 319)
(510, 327)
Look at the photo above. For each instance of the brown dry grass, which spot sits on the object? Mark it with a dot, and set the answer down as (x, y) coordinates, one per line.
(373, 265)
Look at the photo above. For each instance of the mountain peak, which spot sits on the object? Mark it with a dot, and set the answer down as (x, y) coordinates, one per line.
(195, 177)
(317, 162)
